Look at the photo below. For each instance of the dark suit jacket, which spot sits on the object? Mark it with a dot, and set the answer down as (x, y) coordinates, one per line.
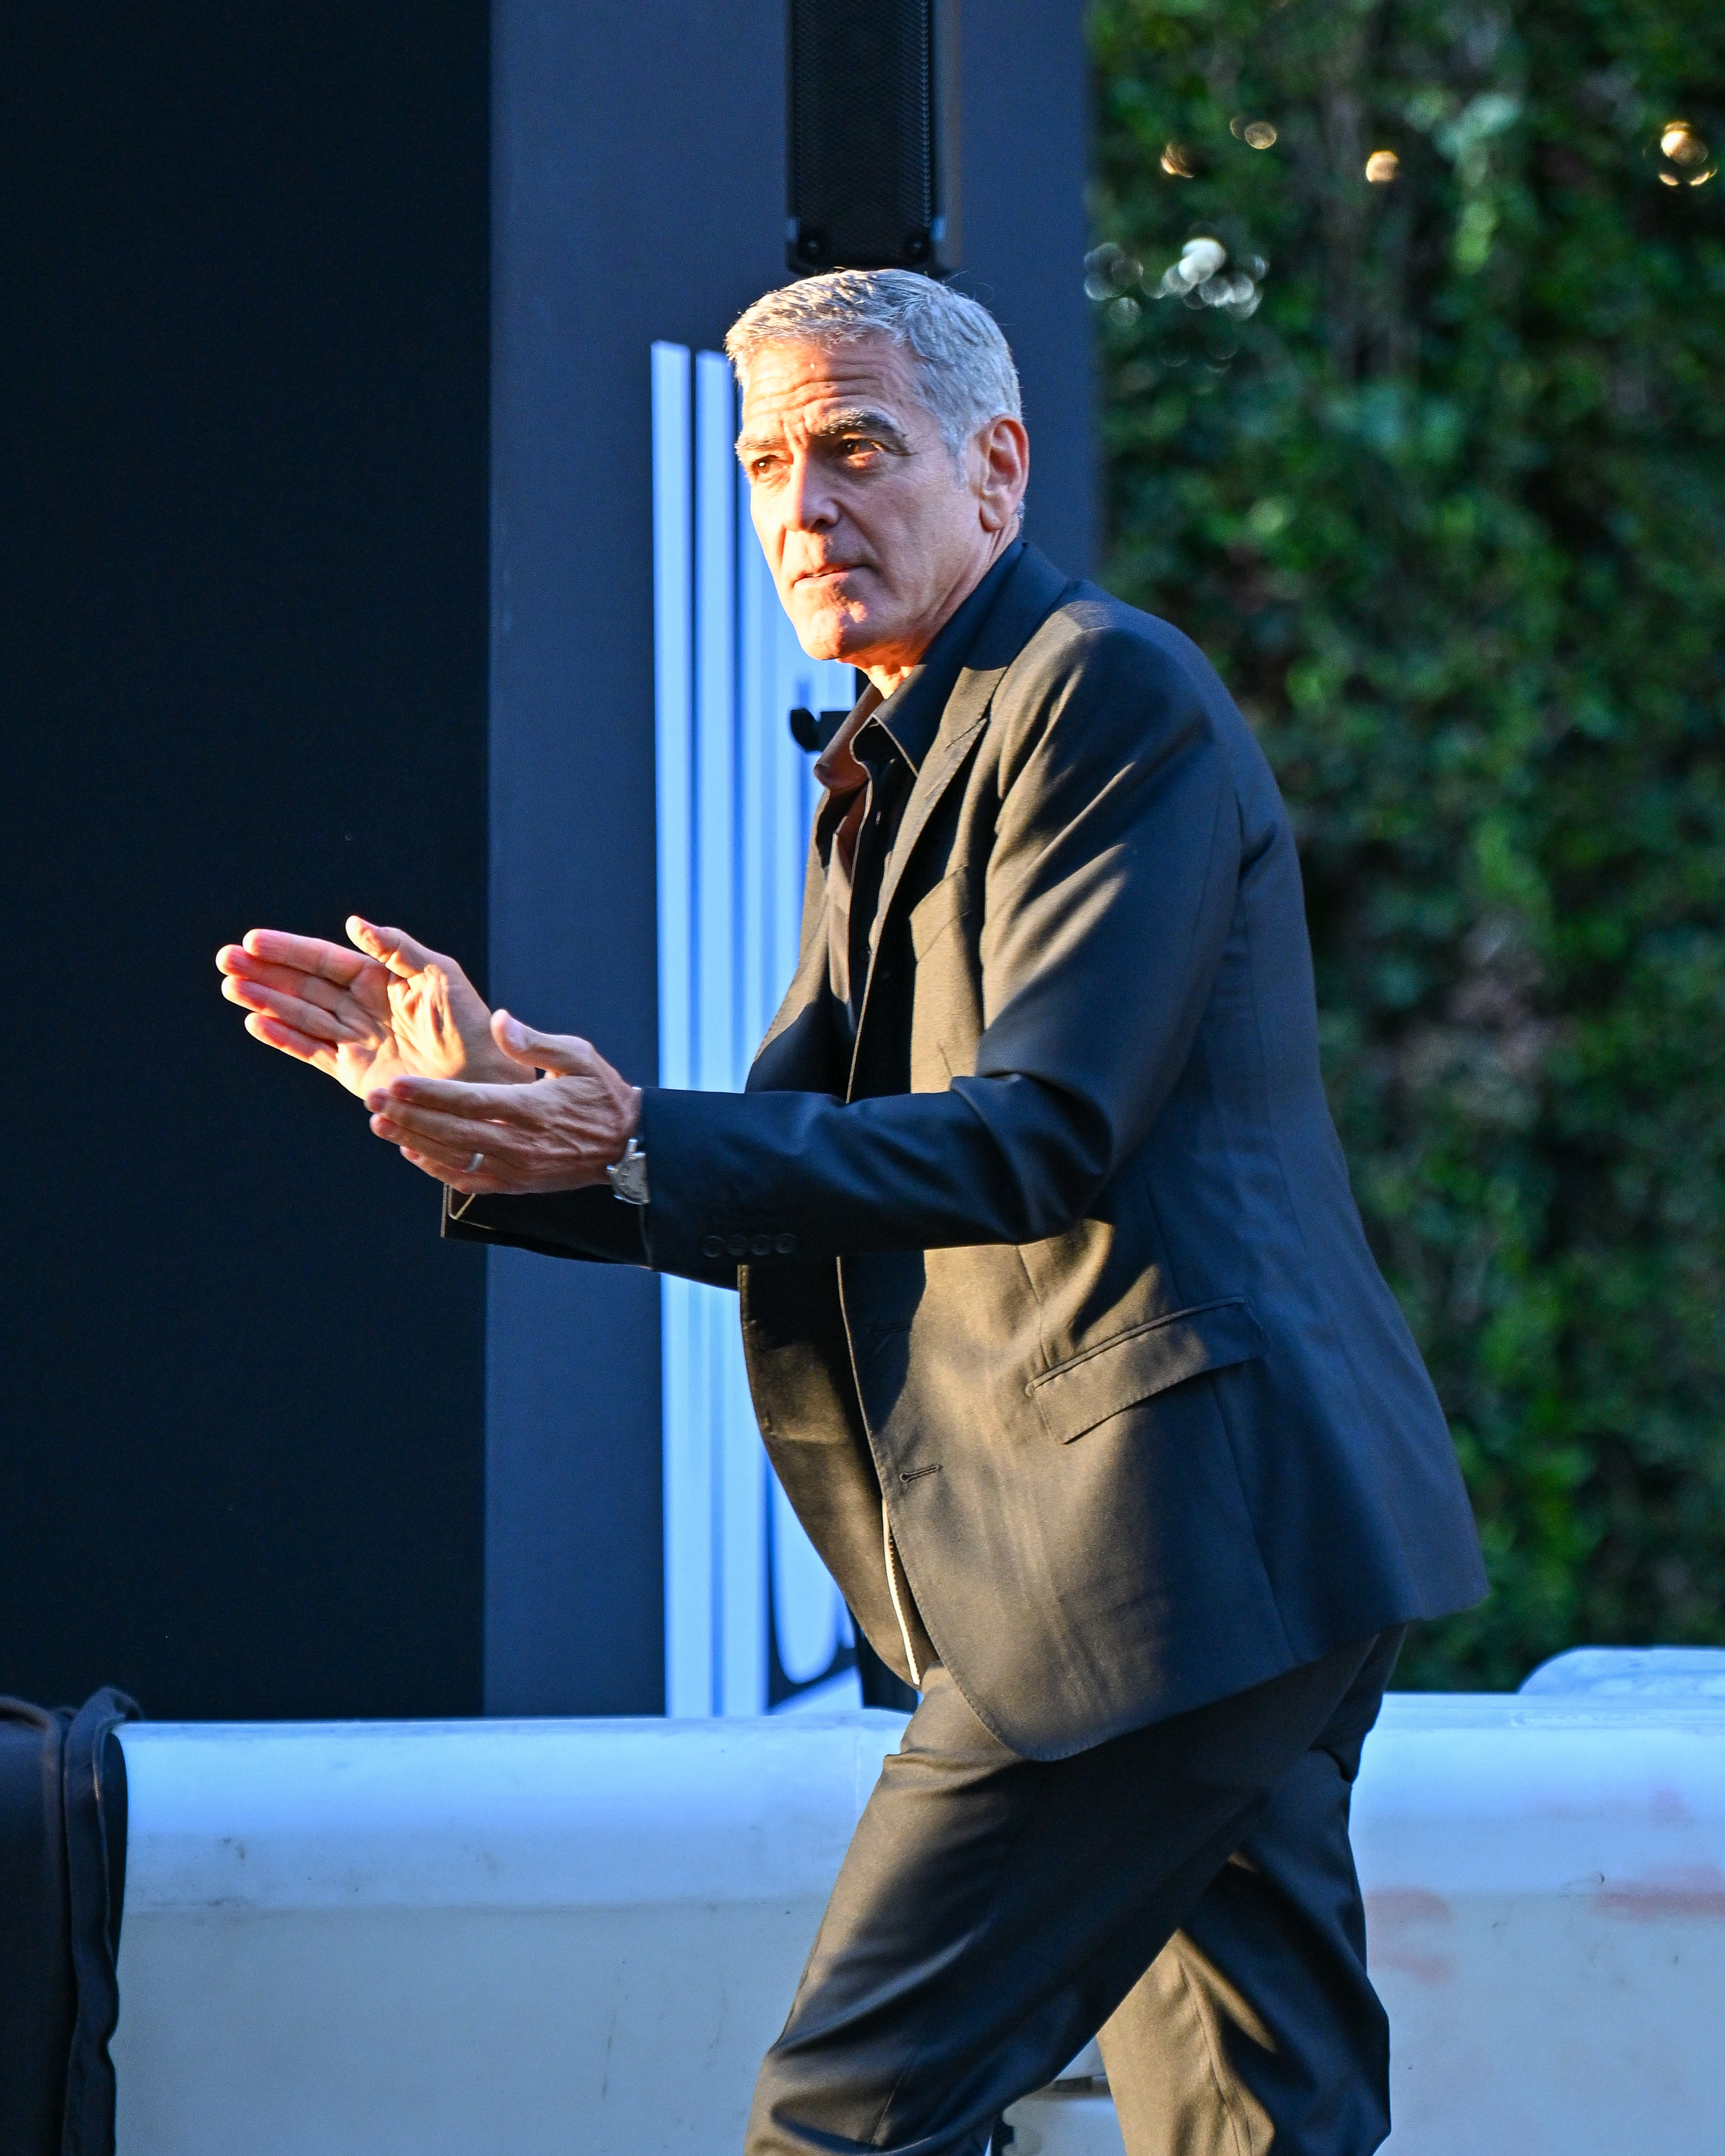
(1066, 1262)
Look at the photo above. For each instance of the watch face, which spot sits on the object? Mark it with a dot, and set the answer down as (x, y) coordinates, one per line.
(627, 1177)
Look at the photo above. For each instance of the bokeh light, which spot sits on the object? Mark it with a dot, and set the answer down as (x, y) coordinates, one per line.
(1196, 278)
(1686, 155)
(1109, 271)
(1382, 167)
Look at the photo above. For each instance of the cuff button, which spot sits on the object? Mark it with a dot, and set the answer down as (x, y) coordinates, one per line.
(738, 1246)
(760, 1246)
(713, 1247)
(784, 1245)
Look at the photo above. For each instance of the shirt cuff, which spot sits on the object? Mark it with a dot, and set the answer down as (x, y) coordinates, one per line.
(589, 1224)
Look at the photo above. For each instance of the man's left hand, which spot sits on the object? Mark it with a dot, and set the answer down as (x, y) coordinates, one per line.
(559, 1133)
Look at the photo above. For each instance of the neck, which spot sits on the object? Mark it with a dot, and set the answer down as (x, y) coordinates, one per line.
(885, 670)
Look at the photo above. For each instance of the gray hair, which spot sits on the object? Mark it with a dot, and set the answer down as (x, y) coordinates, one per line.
(964, 365)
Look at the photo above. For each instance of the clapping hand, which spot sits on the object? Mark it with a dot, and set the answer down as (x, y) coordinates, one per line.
(457, 1088)
(388, 1009)
(560, 1131)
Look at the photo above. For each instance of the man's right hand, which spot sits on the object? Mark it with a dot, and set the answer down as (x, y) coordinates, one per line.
(388, 1008)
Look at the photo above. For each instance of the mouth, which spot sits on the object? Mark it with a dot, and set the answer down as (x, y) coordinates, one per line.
(826, 573)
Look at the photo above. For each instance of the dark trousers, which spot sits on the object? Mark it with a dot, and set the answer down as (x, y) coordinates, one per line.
(1187, 1889)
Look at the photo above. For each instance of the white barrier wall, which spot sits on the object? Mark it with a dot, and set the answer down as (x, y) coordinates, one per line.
(369, 1940)
(1545, 1903)
(445, 1939)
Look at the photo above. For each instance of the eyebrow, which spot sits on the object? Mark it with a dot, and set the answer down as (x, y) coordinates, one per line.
(837, 426)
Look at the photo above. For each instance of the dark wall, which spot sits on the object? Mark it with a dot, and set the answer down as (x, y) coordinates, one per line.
(246, 279)
(638, 193)
(1026, 147)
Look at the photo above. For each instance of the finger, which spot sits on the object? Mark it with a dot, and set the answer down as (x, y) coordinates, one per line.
(236, 961)
(390, 947)
(454, 1159)
(291, 1042)
(294, 1011)
(306, 954)
(305, 987)
(520, 1106)
(452, 1165)
(457, 1136)
(469, 1186)
(565, 1053)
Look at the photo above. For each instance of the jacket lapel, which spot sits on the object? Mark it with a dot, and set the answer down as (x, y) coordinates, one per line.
(1030, 597)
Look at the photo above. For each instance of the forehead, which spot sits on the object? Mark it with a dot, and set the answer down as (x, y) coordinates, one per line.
(792, 380)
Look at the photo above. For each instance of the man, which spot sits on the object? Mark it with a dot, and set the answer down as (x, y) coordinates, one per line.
(1062, 1330)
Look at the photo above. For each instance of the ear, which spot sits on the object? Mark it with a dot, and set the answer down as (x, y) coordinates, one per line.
(1000, 459)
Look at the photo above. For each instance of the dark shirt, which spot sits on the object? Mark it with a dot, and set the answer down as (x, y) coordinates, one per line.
(868, 770)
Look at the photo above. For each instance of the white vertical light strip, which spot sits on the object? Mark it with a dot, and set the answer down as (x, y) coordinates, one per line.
(687, 1441)
(715, 726)
(734, 794)
(674, 719)
(715, 929)
(739, 1465)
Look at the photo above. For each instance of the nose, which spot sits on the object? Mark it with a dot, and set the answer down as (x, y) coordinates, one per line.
(808, 502)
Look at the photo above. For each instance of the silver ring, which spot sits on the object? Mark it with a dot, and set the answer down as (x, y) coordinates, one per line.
(474, 1165)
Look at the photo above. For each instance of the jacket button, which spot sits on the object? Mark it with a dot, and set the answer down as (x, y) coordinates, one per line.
(738, 1246)
(784, 1245)
(760, 1246)
(713, 1247)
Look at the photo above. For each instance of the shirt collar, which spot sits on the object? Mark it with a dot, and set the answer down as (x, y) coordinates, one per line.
(911, 717)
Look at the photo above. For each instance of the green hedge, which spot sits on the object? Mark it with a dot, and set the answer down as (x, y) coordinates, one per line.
(1434, 468)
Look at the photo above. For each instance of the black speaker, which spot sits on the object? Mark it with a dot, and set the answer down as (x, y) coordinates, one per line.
(873, 136)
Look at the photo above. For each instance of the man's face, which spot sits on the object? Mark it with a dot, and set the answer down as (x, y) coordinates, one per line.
(872, 534)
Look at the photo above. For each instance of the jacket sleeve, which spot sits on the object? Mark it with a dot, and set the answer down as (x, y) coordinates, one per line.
(1108, 893)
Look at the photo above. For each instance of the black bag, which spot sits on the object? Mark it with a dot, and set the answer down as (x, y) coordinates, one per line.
(62, 1887)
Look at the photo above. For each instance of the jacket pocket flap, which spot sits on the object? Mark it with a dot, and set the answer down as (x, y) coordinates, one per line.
(1075, 1396)
(935, 911)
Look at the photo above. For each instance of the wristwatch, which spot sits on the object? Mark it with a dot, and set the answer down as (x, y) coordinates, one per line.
(627, 1177)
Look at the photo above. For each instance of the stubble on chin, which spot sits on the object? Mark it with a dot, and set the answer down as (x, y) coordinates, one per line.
(825, 632)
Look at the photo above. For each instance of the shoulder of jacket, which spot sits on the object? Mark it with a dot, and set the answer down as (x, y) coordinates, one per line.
(1089, 627)
(1123, 676)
